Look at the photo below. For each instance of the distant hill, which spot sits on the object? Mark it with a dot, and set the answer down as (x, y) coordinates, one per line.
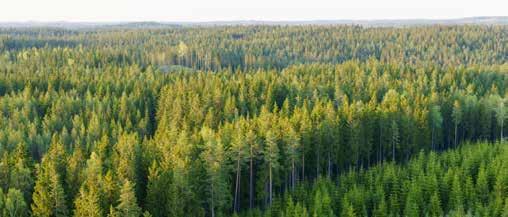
(85, 25)
(499, 20)
(375, 22)
(143, 25)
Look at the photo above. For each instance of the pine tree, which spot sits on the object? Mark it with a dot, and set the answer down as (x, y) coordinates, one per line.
(213, 156)
(505, 212)
(112, 212)
(436, 121)
(238, 153)
(290, 209)
(395, 138)
(88, 203)
(128, 206)
(21, 174)
(49, 198)
(380, 208)
(347, 209)
(322, 204)
(411, 209)
(251, 140)
(41, 206)
(15, 205)
(271, 154)
(456, 196)
(500, 115)
(157, 196)
(147, 214)
(127, 157)
(110, 190)
(74, 172)
(59, 197)
(482, 185)
(2, 201)
(457, 119)
(292, 142)
(4, 171)
(435, 209)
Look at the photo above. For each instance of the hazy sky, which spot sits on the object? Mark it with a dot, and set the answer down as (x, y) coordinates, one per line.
(213, 10)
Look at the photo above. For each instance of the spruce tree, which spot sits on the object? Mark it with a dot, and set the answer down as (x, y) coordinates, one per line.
(89, 201)
(15, 205)
(127, 204)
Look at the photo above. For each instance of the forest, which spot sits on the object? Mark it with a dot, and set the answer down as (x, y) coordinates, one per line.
(254, 120)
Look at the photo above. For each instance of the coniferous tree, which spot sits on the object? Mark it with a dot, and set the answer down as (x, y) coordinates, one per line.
(505, 212)
(238, 149)
(347, 209)
(127, 203)
(436, 120)
(271, 154)
(457, 119)
(213, 156)
(49, 197)
(435, 209)
(329, 98)
(88, 202)
(500, 115)
(15, 205)
(251, 140)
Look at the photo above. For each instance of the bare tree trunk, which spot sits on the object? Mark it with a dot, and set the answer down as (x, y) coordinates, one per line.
(380, 151)
(455, 142)
(251, 182)
(432, 146)
(502, 130)
(212, 208)
(317, 162)
(270, 186)
(237, 186)
(303, 165)
(368, 160)
(393, 151)
(329, 165)
(293, 174)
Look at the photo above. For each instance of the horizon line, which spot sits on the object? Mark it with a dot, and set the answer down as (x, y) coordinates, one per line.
(251, 20)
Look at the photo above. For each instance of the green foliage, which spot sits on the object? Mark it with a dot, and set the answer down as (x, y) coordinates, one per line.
(14, 204)
(253, 121)
(88, 202)
(127, 204)
(49, 197)
(359, 193)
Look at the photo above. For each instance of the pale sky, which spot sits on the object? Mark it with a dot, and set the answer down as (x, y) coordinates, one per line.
(223, 10)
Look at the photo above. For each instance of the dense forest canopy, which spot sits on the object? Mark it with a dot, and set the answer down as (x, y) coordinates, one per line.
(276, 47)
(254, 121)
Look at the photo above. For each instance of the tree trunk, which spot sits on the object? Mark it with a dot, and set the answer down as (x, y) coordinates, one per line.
(329, 165)
(237, 186)
(393, 151)
(293, 175)
(432, 140)
(212, 208)
(303, 164)
(380, 151)
(270, 185)
(368, 160)
(455, 142)
(317, 162)
(502, 131)
(251, 183)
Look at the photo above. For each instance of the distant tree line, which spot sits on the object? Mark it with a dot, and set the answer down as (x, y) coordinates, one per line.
(268, 47)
